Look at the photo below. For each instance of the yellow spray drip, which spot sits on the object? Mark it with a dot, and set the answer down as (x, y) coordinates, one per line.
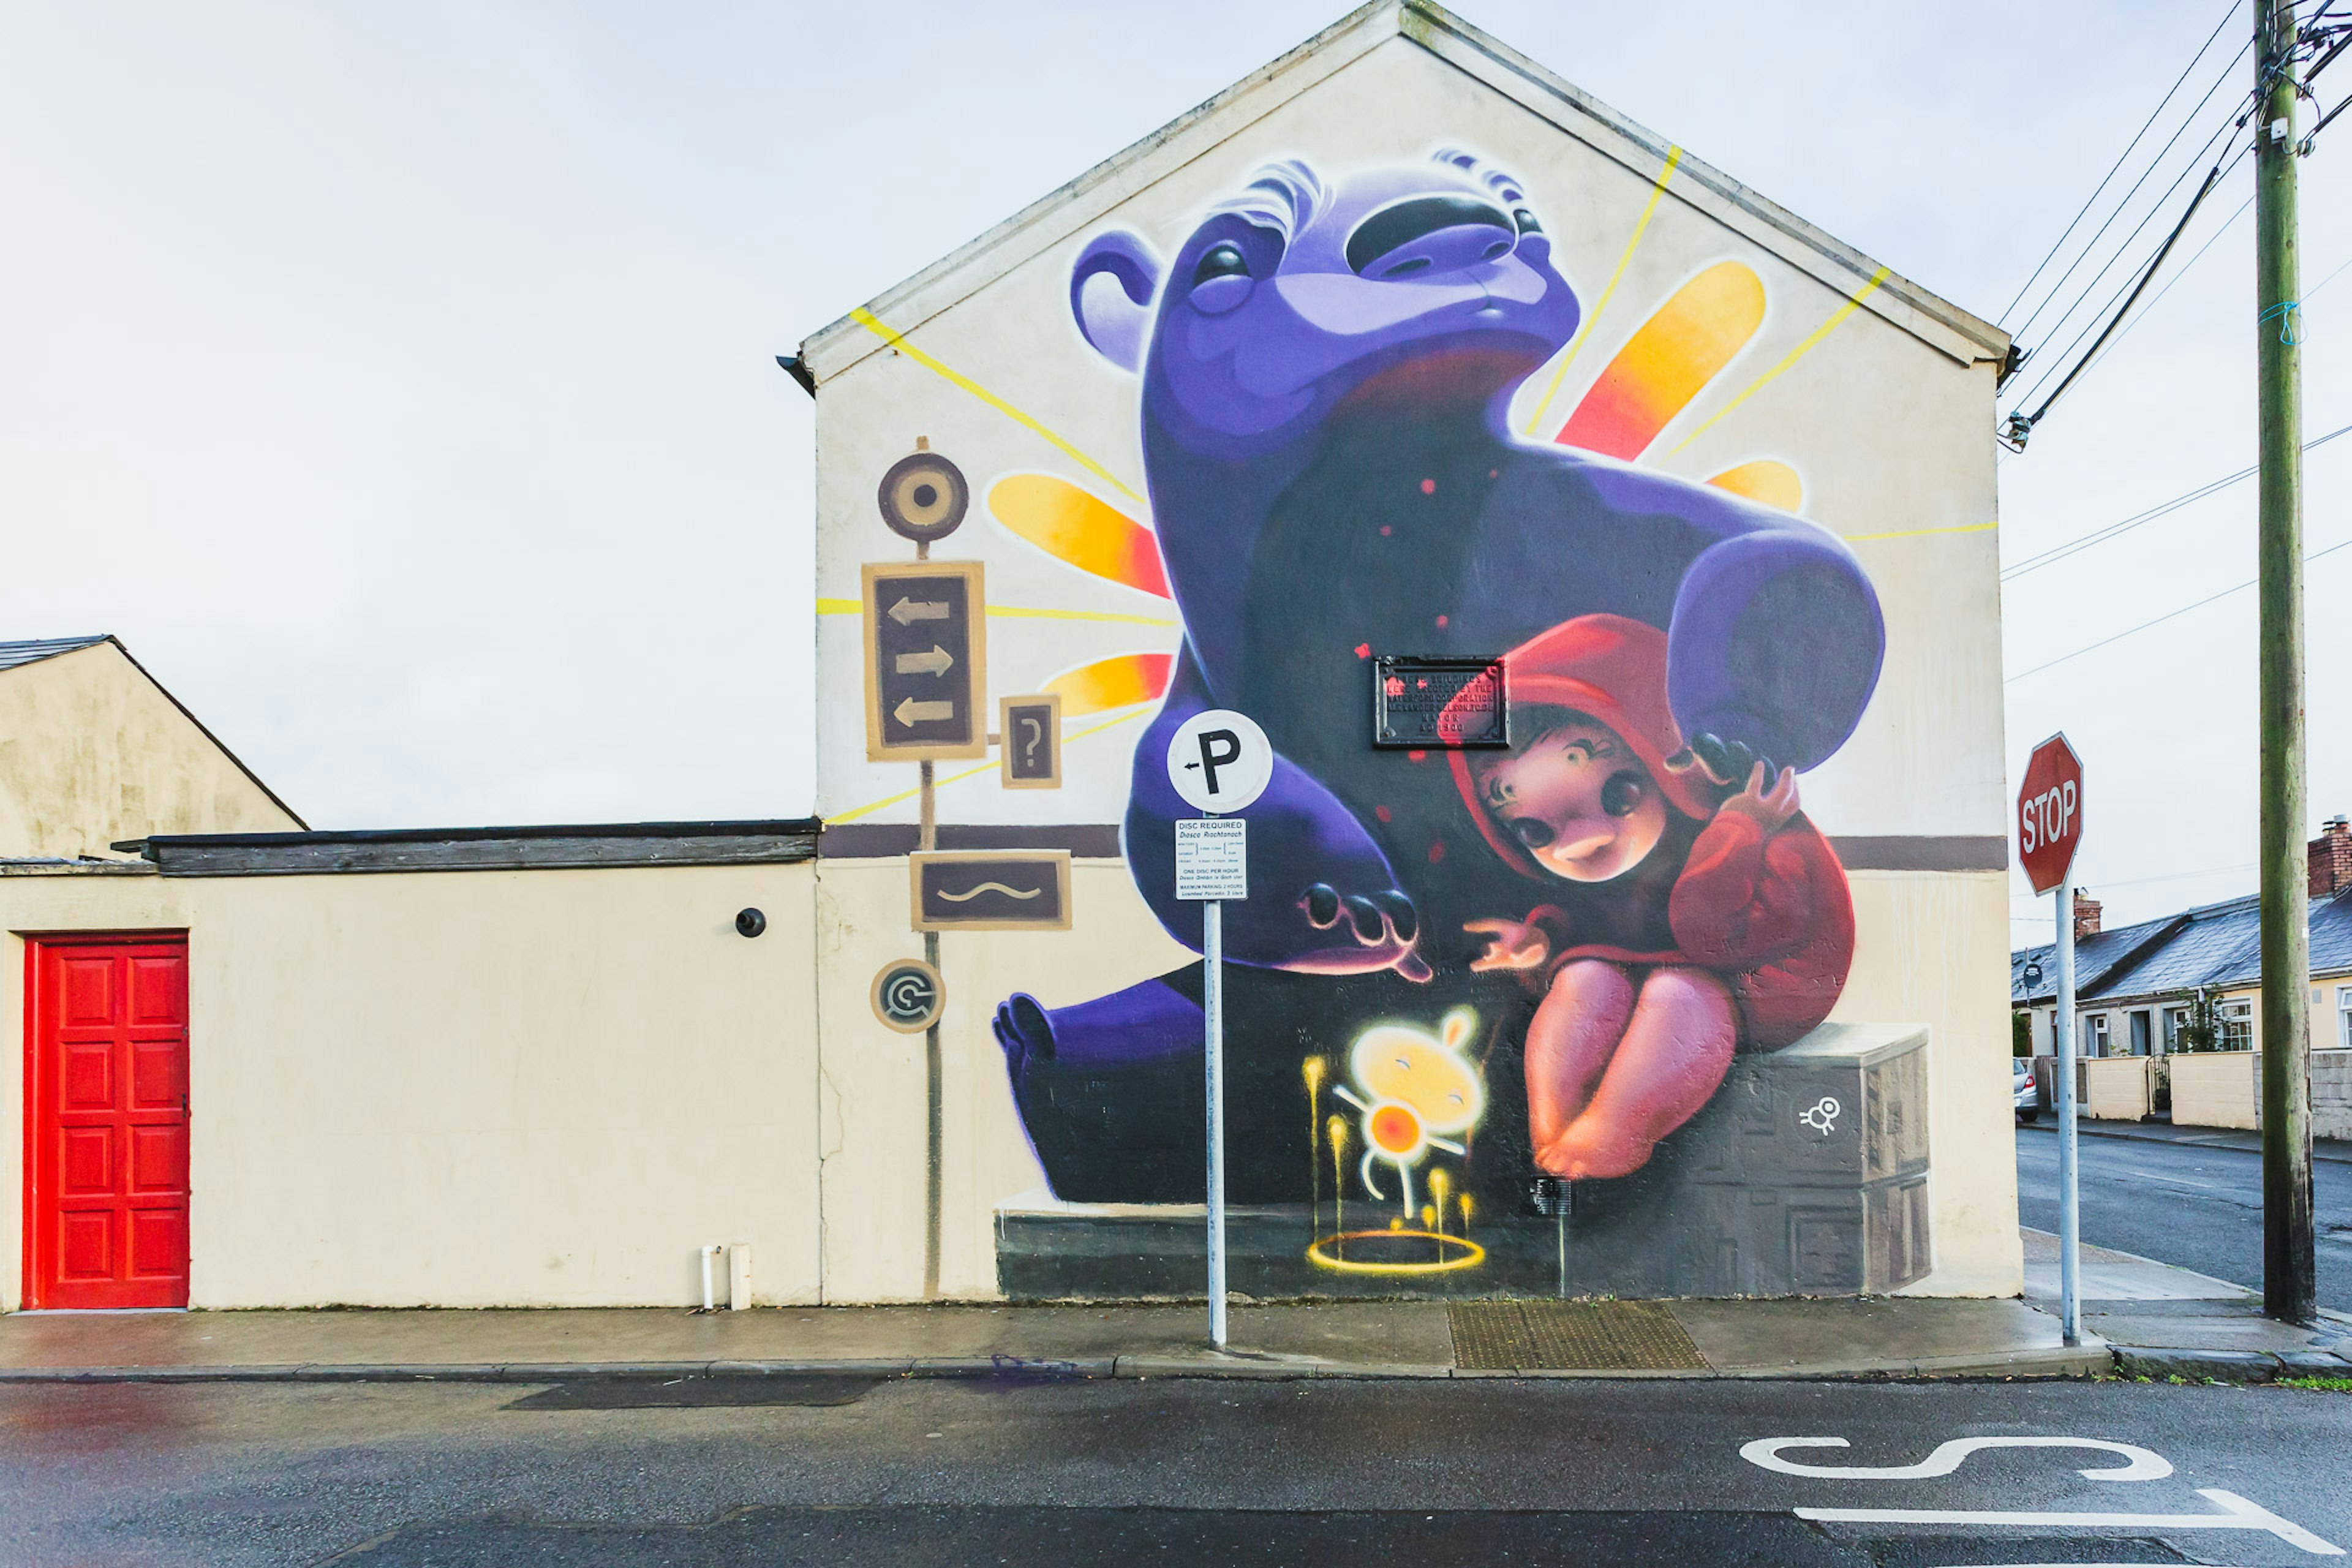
(1439, 1184)
(1312, 1069)
(1465, 1201)
(1337, 1127)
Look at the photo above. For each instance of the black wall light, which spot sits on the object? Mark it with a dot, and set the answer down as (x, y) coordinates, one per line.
(749, 922)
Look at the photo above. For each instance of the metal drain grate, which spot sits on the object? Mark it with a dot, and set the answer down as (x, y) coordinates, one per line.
(1570, 1336)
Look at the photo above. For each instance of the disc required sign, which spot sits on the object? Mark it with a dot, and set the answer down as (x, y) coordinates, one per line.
(2050, 813)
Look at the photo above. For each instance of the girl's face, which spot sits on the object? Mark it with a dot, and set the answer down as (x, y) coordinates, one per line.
(1578, 800)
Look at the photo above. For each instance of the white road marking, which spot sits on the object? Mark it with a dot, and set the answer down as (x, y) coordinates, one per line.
(1765, 1452)
(2236, 1513)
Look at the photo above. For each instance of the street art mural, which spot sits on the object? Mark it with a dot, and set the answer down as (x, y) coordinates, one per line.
(1541, 935)
(1534, 962)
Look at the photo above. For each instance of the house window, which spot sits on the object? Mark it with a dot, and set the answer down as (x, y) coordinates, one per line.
(2236, 1020)
(2175, 1020)
(2344, 1016)
(2095, 1034)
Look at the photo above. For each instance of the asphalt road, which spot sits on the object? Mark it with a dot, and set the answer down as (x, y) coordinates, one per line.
(2199, 1209)
(908, 1474)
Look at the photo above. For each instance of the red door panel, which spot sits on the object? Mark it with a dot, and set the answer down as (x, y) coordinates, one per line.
(107, 1114)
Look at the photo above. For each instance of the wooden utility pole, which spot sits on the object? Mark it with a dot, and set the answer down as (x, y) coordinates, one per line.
(2290, 1286)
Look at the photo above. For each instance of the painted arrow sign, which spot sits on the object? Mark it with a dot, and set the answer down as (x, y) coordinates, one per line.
(926, 660)
(938, 661)
(907, 612)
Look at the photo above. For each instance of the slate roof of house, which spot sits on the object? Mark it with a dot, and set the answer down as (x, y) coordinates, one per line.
(2214, 944)
(12, 653)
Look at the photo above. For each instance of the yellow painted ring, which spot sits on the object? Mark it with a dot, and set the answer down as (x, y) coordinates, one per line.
(1471, 1253)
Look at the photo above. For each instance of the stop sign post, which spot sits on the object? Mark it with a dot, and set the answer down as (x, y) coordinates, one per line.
(2049, 829)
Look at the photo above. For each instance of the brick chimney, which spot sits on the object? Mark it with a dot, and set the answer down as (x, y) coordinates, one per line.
(2327, 859)
(2086, 916)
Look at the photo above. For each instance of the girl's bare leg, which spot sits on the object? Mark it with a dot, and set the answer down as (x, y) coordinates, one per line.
(1677, 1049)
(1569, 1040)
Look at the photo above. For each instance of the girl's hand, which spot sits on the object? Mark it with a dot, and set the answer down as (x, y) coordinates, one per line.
(1768, 808)
(1515, 944)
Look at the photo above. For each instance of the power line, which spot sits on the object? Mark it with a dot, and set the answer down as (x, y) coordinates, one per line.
(2145, 276)
(2125, 156)
(2057, 552)
(2184, 269)
(2168, 615)
(2123, 205)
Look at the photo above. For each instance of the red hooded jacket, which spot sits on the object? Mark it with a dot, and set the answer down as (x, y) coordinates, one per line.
(1769, 914)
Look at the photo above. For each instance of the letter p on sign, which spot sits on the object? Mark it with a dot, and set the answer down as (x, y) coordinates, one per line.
(2050, 813)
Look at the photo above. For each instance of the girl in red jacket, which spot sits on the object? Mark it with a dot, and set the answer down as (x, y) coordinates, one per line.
(1692, 915)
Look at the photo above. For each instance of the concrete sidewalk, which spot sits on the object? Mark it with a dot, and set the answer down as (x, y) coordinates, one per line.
(2157, 1318)
(1418, 1339)
(2164, 1321)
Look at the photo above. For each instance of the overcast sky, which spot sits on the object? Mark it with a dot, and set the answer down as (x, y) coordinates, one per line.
(398, 379)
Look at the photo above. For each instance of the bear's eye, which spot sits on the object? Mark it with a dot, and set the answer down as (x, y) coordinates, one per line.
(1533, 832)
(1622, 795)
(1224, 261)
(1525, 221)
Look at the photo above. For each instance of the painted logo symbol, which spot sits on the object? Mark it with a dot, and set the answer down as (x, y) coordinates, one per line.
(1822, 1118)
(907, 995)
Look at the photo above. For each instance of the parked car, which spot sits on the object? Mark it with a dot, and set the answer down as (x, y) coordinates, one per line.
(2023, 1092)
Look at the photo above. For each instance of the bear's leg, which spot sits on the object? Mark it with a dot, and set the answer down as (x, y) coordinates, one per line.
(1575, 1030)
(1677, 1049)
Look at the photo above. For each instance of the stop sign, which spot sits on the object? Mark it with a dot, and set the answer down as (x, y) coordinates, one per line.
(2050, 813)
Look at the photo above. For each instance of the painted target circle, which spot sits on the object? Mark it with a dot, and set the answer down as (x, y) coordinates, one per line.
(923, 497)
(909, 994)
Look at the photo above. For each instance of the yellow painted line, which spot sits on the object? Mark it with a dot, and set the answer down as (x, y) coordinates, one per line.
(1019, 612)
(1837, 319)
(866, 319)
(890, 800)
(1921, 532)
(1576, 344)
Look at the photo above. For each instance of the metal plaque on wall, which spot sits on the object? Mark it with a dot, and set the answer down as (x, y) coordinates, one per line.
(1440, 703)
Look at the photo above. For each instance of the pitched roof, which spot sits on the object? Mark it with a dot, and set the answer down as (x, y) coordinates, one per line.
(12, 653)
(1087, 199)
(2214, 945)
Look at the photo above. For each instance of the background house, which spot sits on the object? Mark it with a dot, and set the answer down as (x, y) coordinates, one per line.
(2141, 989)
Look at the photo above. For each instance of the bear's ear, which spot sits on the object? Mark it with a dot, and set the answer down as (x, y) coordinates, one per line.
(1111, 288)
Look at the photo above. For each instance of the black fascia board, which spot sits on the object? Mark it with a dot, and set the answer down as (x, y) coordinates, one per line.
(533, 847)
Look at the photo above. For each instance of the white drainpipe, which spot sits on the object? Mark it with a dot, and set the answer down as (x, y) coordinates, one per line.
(709, 1265)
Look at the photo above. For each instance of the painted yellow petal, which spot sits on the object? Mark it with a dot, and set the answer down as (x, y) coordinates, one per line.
(1766, 480)
(1119, 682)
(1663, 366)
(1076, 526)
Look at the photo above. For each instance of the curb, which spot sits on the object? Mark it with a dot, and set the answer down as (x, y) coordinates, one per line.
(2230, 1366)
(2080, 1362)
(2085, 1127)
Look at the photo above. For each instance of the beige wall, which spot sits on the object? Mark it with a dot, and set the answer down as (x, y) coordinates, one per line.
(91, 753)
(1885, 419)
(2217, 1089)
(475, 1088)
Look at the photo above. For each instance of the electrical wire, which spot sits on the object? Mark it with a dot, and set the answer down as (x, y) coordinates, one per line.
(2123, 205)
(2182, 271)
(2168, 615)
(2058, 553)
(2142, 276)
(2124, 157)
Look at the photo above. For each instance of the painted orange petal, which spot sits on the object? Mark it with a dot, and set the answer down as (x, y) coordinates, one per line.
(1772, 483)
(1072, 525)
(1676, 352)
(1119, 682)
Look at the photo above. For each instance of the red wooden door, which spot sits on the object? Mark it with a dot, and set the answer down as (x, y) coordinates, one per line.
(107, 1108)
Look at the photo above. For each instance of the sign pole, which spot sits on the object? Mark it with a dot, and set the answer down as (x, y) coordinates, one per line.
(2049, 830)
(1219, 762)
(2070, 1244)
(1212, 1007)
